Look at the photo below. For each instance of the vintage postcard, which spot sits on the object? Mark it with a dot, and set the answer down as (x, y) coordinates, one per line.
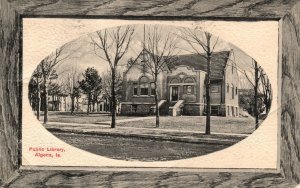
(150, 94)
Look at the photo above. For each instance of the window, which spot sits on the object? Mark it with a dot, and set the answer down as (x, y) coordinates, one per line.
(175, 81)
(144, 89)
(144, 85)
(236, 91)
(188, 89)
(144, 79)
(189, 80)
(135, 89)
(227, 88)
(152, 85)
(232, 90)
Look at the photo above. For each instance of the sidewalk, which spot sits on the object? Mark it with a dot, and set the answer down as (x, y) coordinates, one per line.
(146, 133)
(125, 120)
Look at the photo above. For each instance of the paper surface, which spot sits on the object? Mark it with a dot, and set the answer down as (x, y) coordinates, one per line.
(257, 39)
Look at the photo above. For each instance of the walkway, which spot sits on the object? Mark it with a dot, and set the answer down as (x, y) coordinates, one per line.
(126, 120)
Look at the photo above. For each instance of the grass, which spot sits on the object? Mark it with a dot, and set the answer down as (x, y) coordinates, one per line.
(66, 117)
(240, 125)
(237, 125)
(114, 145)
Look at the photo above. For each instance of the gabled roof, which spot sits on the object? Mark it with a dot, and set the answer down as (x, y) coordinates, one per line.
(139, 56)
(197, 62)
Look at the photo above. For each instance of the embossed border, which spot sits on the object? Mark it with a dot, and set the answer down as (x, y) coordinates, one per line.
(11, 13)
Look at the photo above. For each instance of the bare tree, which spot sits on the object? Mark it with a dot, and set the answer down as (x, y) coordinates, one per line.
(256, 80)
(266, 90)
(158, 53)
(199, 42)
(48, 70)
(111, 45)
(261, 85)
(35, 90)
(71, 84)
(107, 85)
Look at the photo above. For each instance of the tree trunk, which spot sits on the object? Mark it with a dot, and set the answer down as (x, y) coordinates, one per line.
(52, 107)
(38, 101)
(77, 104)
(46, 104)
(88, 107)
(256, 96)
(65, 99)
(38, 104)
(113, 100)
(268, 95)
(207, 126)
(106, 105)
(156, 103)
(72, 104)
(58, 103)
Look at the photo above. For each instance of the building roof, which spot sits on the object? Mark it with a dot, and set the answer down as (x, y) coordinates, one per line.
(197, 62)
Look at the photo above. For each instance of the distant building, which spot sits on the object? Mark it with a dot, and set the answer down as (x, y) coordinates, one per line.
(58, 102)
(181, 86)
(63, 103)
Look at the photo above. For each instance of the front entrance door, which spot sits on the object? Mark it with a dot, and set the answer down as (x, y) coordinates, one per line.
(174, 93)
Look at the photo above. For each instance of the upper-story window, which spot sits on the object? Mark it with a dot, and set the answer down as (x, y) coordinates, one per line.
(144, 85)
(189, 80)
(227, 88)
(236, 91)
(174, 81)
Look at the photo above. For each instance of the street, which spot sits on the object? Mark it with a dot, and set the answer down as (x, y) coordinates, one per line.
(133, 148)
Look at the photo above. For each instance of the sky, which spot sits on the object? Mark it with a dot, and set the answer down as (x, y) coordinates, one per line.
(84, 54)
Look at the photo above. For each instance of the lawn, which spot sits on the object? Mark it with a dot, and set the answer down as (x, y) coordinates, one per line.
(241, 125)
(66, 117)
(238, 125)
(127, 144)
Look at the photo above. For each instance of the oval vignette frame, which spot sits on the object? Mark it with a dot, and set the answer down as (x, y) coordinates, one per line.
(286, 15)
(77, 56)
